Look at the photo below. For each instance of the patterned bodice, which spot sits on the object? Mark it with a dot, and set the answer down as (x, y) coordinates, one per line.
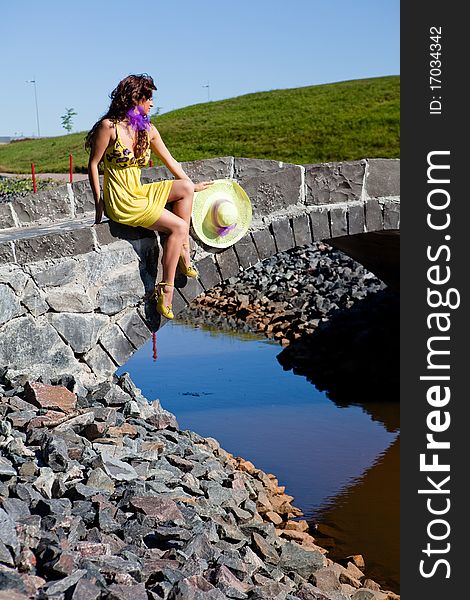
(118, 156)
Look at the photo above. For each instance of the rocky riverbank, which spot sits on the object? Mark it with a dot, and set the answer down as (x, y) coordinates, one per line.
(286, 297)
(103, 496)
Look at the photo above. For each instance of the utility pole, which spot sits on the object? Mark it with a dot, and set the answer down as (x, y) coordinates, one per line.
(33, 81)
(208, 91)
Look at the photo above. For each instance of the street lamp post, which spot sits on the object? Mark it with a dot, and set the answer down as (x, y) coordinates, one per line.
(33, 81)
(208, 91)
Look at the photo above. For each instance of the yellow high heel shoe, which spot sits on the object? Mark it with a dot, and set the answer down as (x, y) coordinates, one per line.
(164, 310)
(187, 270)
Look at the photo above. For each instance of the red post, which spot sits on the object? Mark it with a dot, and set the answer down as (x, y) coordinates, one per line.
(151, 162)
(154, 335)
(71, 167)
(33, 175)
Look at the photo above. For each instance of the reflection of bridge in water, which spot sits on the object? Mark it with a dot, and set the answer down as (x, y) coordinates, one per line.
(72, 296)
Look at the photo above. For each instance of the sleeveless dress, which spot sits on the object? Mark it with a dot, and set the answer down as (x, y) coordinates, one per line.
(126, 199)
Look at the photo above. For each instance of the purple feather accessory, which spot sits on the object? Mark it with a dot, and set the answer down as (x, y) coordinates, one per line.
(138, 120)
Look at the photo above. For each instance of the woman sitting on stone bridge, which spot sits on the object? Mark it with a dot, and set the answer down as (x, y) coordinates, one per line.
(122, 140)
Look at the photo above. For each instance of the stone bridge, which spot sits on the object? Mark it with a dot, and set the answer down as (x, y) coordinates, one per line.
(75, 298)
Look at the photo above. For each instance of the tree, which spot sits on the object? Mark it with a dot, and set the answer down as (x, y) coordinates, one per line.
(67, 119)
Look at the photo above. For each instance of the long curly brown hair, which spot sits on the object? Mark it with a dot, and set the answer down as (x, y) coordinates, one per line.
(126, 95)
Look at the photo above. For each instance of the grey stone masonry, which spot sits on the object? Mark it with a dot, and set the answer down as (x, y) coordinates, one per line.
(208, 273)
(356, 222)
(228, 263)
(246, 251)
(330, 183)
(56, 245)
(134, 328)
(319, 223)
(116, 344)
(338, 221)
(264, 242)
(374, 217)
(301, 229)
(383, 178)
(271, 186)
(44, 206)
(82, 196)
(6, 216)
(191, 289)
(391, 211)
(283, 235)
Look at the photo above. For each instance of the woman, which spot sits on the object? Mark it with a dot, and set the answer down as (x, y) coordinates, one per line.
(122, 139)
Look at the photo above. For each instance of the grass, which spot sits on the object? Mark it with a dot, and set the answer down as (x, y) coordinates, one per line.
(333, 122)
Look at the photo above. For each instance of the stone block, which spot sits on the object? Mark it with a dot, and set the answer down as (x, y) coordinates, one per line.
(283, 234)
(246, 251)
(14, 276)
(209, 169)
(391, 212)
(179, 302)
(33, 346)
(228, 263)
(356, 219)
(330, 183)
(208, 274)
(54, 245)
(264, 242)
(100, 362)
(71, 298)
(320, 225)
(254, 167)
(81, 332)
(9, 304)
(96, 266)
(158, 173)
(383, 177)
(269, 184)
(301, 229)
(6, 253)
(33, 299)
(6, 216)
(58, 274)
(338, 221)
(134, 328)
(82, 197)
(116, 344)
(122, 289)
(109, 231)
(374, 218)
(190, 289)
(45, 206)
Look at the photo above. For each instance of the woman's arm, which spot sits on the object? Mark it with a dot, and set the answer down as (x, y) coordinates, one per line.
(98, 148)
(158, 146)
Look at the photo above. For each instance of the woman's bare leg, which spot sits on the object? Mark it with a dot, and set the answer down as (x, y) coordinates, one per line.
(181, 197)
(176, 229)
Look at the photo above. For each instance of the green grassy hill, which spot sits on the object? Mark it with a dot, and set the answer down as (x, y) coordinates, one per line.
(332, 122)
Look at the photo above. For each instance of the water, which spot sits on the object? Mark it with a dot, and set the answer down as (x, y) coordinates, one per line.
(232, 388)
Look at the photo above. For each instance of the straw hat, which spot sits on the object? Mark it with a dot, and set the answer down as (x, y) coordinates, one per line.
(221, 213)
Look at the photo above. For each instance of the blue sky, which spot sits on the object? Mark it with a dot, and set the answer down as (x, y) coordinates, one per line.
(78, 51)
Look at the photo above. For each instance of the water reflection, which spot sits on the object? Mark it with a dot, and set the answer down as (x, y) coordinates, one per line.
(364, 519)
(231, 387)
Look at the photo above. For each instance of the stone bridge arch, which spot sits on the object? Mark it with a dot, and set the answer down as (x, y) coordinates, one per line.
(74, 299)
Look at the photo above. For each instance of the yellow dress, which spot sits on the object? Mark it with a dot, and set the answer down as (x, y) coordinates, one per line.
(126, 199)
